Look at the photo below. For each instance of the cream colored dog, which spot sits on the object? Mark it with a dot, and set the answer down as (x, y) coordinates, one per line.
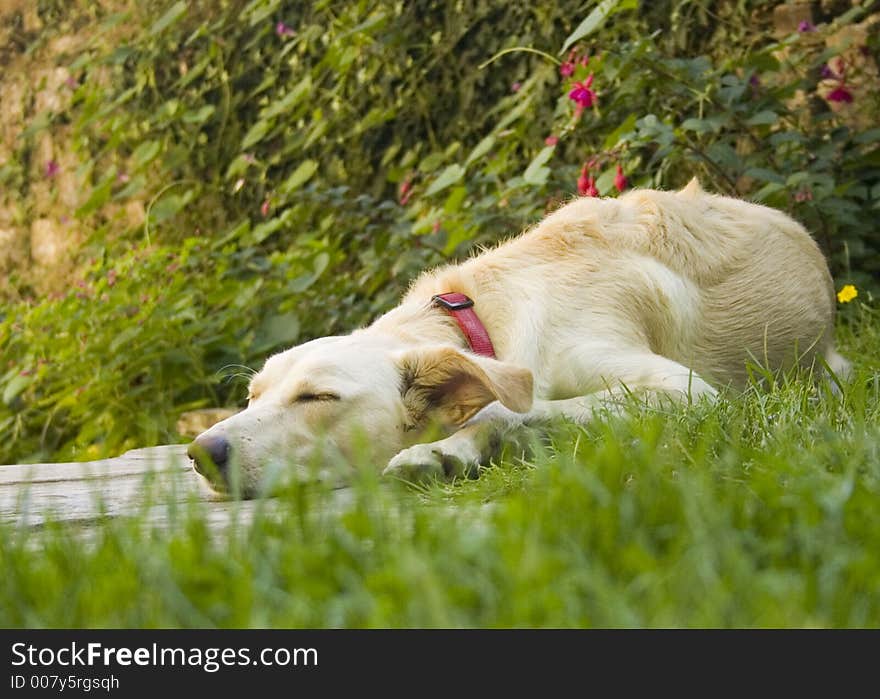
(654, 293)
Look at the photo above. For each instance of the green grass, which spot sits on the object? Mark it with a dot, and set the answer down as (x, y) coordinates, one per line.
(762, 510)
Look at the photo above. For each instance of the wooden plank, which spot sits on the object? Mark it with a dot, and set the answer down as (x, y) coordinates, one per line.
(31, 494)
(171, 456)
(154, 484)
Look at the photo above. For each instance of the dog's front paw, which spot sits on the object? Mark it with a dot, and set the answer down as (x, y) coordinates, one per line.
(442, 460)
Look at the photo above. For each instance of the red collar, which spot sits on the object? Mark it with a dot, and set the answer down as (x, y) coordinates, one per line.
(461, 308)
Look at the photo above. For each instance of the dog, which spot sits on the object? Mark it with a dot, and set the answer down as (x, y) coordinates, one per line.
(665, 295)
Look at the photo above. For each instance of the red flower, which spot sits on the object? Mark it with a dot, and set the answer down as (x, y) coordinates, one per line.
(551, 140)
(566, 69)
(52, 168)
(586, 184)
(840, 94)
(806, 26)
(620, 179)
(404, 192)
(582, 94)
(264, 209)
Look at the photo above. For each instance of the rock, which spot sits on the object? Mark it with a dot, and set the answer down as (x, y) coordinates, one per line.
(787, 17)
(193, 422)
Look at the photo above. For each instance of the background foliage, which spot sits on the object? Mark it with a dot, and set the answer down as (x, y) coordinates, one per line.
(298, 163)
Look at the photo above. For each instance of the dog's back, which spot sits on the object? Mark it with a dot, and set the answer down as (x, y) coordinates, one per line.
(765, 292)
(709, 281)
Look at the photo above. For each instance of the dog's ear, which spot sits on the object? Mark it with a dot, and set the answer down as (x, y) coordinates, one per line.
(449, 385)
(692, 189)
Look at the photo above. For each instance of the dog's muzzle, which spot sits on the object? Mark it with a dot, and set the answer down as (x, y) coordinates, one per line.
(210, 455)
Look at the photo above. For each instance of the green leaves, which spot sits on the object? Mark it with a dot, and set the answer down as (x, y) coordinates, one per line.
(174, 13)
(537, 173)
(14, 386)
(145, 153)
(481, 149)
(300, 176)
(198, 116)
(284, 104)
(256, 133)
(450, 175)
(276, 332)
(596, 19)
(763, 118)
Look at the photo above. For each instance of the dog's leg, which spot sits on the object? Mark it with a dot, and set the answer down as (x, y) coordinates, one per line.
(651, 378)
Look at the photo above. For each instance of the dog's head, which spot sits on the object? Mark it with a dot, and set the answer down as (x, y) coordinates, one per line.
(349, 399)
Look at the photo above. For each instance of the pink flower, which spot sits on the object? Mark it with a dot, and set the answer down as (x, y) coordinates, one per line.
(586, 184)
(282, 30)
(806, 26)
(620, 179)
(828, 72)
(404, 192)
(264, 209)
(582, 95)
(437, 226)
(71, 82)
(52, 168)
(516, 87)
(111, 277)
(551, 140)
(805, 194)
(566, 69)
(840, 94)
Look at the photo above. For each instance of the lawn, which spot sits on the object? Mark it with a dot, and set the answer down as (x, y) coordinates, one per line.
(762, 510)
(186, 188)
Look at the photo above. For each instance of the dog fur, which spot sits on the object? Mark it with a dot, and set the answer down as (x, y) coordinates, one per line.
(662, 294)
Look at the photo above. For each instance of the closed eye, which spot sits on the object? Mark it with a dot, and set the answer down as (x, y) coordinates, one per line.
(315, 397)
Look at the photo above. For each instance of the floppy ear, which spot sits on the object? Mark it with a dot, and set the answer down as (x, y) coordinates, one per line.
(452, 386)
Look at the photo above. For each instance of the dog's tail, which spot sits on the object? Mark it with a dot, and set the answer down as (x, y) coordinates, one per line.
(838, 369)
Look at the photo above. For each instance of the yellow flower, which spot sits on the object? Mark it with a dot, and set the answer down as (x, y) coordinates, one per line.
(847, 293)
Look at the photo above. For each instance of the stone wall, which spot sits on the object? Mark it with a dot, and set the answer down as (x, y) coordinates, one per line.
(39, 231)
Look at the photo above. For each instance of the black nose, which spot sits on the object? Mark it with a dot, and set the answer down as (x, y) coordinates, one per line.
(209, 452)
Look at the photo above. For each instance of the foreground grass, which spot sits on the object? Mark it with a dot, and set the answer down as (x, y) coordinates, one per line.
(763, 510)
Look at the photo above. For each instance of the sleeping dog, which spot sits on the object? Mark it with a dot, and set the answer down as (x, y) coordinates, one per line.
(666, 295)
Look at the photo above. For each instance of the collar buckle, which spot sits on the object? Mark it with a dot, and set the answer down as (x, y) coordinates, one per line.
(453, 301)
